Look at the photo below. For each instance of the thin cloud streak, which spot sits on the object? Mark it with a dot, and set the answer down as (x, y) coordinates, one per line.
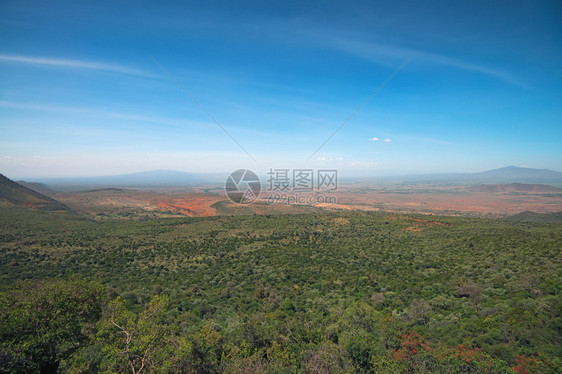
(170, 122)
(386, 54)
(75, 64)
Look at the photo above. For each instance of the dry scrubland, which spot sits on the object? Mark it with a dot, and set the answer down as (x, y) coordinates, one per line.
(477, 201)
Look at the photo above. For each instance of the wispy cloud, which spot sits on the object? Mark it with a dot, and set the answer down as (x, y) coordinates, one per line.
(100, 112)
(387, 55)
(75, 64)
(387, 140)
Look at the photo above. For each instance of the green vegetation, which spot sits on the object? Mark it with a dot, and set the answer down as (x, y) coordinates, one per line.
(316, 293)
(536, 217)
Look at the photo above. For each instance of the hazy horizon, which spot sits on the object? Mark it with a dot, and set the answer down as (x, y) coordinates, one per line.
(368, 88)
(342, 175)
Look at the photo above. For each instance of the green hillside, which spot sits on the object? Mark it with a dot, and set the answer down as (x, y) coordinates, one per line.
(535, 217)
(15, 194)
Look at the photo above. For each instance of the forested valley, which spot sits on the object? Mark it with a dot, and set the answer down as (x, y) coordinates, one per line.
(358, 292)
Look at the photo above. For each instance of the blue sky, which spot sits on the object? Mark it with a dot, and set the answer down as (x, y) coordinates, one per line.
(81, 96)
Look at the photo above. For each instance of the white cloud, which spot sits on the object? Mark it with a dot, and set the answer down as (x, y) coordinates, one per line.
(387, 140)
(8, 158)
(363, 164)
(374, 139)
(322, 159)
(74, 64)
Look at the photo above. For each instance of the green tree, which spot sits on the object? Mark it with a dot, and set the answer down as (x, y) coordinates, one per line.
(42, 323)
(141, 342)
(473, 291)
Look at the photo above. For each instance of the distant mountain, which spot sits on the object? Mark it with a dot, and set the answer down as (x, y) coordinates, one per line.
(37, 187)
(510, 174)
(154, 178)
(15, 194)
(171, 178)
(521, 174)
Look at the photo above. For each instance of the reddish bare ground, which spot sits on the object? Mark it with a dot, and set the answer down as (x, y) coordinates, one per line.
(193, 207)
(448, 200)
(120, 202)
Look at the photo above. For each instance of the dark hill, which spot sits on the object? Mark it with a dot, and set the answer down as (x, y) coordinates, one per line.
(15, 194)
(535, 217)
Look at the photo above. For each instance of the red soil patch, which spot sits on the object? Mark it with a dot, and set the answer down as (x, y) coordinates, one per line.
(188, 207)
